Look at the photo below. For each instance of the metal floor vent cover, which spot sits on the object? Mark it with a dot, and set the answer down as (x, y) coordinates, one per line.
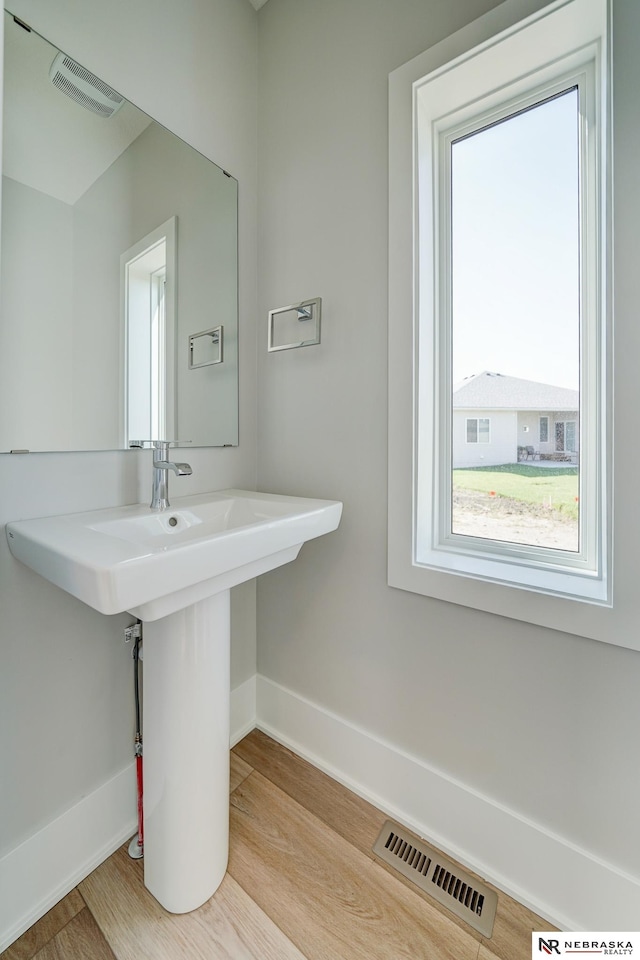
(443, 880)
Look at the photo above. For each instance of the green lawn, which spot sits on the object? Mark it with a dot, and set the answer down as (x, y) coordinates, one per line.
(555, 487)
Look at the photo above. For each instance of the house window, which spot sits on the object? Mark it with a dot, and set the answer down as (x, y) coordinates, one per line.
(543, 434)
(508, 261)
(509, 197)
(509, 211)
(478, 430)
(566, 436)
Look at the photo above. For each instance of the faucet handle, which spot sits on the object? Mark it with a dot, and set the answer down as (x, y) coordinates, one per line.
(156, 444)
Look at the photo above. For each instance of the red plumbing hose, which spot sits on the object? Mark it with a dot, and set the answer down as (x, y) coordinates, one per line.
(138, 754)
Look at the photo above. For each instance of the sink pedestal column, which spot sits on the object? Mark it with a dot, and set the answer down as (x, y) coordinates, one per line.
(186, 753)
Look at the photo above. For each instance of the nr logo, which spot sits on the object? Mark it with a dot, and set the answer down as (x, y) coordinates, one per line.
(548, 946)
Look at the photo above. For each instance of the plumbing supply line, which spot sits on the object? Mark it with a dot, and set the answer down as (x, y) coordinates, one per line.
(136, 849)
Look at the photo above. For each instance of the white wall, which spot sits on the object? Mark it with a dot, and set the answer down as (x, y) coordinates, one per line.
(501, 448)
(37, 291)
(156, 178)
(102, 230)
(531, 436)
(538, 722)
(66, 694)
(541, 723)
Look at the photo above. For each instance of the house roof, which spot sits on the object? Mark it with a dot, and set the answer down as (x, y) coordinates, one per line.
(495, 391)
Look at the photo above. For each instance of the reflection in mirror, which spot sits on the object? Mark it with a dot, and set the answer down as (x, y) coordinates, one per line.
(119, 244)
(148, 282)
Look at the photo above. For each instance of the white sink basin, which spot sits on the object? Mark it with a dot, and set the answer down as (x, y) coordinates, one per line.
(152, 564)
(174, 570)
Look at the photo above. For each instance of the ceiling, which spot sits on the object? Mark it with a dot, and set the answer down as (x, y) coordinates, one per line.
(256, 4)
(50, 142)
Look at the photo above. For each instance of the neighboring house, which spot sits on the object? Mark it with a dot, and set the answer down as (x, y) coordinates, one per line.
(495, 417)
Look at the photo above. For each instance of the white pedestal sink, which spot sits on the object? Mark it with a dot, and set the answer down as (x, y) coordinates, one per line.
(174, 570)
(186, 753)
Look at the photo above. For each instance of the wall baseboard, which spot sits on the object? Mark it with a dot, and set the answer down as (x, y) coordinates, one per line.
(567, 885)
(243, 710)
(563, 883)
(38, 873)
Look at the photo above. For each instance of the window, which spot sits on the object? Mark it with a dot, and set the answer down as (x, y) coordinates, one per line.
(513, 177)
(543, 434)
(506, 276)
(566, 436)
(478, 430)
(148, 284)
(509, 191)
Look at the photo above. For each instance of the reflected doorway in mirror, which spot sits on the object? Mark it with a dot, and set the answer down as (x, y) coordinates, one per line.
(148, 273)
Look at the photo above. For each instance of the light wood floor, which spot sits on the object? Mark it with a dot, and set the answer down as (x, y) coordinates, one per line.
(302, 884)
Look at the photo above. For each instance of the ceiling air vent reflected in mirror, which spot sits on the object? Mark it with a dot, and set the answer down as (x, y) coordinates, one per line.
(83, 87)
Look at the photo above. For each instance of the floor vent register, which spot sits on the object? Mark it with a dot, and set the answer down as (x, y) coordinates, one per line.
(468, 898)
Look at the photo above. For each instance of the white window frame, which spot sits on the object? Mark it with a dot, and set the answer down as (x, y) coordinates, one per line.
(486, 439)
(562, 572)
(540, 439)
(546, 590)
(156, 288)
(565, 424)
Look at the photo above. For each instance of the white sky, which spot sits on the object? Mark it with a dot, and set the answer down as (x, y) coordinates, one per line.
(515, 247)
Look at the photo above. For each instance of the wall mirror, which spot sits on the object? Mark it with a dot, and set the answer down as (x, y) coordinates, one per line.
(119, 246)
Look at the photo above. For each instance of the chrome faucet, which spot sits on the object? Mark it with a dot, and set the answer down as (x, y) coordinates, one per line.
(161, 467)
